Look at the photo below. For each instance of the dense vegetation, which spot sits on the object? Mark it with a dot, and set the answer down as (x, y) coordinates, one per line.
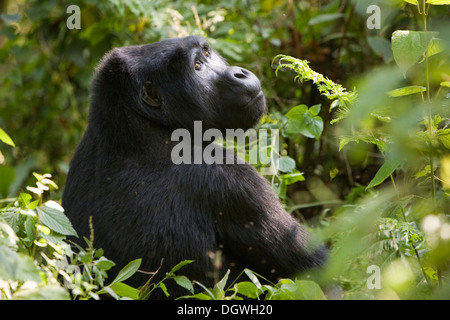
(364, 115)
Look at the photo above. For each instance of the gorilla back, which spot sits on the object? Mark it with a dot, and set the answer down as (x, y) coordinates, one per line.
(145, 206)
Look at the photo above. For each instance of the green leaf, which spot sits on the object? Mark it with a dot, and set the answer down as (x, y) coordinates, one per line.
(180, 265)
(297, 112)
(104, 264)
(199, 296)
(48, 292)
(163, 287)
(293, 177)
(5, 138)
(305, 121)
(385, 171)
(24, 199)
(409, 46)
(17, 266)
(124, 290)
(127, 271)
(315, 110)
(253, 278)
(406, 91)
(286, 164)
(444, 136)
(56, 220)
(445, 84)
(436, 46)
(184, 282)
(248, 289)
(438, 2)
(308, 290)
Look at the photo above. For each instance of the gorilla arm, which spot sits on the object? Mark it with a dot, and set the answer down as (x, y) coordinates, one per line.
(257, 233)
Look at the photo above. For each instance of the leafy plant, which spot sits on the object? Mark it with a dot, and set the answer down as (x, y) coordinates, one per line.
(284, 289)
(36, 262)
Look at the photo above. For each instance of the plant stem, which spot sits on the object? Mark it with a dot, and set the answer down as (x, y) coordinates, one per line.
(430, 118)
(412, 243)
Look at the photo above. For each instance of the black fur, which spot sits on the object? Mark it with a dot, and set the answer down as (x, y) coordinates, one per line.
(143, 205)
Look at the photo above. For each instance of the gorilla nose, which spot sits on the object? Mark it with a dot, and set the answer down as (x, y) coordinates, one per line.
(241, 73)
(243, 77)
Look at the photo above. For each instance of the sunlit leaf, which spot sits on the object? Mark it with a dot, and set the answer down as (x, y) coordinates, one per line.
(406, 91)
(5, 138)
(438, 2)
(409, 46)
(55, 220)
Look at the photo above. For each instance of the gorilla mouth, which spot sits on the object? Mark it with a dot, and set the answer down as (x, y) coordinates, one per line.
(256, 97)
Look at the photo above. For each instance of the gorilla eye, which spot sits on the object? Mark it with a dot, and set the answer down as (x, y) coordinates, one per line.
(197, 65)
(207, 53)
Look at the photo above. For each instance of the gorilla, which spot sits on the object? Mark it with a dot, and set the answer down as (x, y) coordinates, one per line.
(143, 205)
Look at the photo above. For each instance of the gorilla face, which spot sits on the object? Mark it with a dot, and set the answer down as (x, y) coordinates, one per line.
(179, 81)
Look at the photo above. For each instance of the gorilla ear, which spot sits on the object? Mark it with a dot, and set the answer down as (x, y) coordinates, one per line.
(149, 95)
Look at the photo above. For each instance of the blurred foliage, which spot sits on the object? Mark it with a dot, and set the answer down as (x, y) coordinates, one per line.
(367, 167)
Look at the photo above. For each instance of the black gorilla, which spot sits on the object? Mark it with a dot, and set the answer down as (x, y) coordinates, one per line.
(145, 206)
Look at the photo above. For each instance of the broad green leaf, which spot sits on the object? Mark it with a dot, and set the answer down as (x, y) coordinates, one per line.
(305, 121)
(124, 290)
(406, 91)
(248, 289)
(315, 110)
(56, 220)
(409, 46)
(5, 138)
(286, 164)
(438, 2)
(127, 271)
(17, 266)
(445, 84)
(385, 171)
(184, 282)
(104, 264)
(48, 292)
(297, 113)
(444, 136)
(24, 199)
(308, 290)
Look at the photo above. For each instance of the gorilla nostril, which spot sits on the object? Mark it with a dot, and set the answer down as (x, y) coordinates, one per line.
(240, 75)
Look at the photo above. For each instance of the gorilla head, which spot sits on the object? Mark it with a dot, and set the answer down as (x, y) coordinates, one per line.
(179, 77)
